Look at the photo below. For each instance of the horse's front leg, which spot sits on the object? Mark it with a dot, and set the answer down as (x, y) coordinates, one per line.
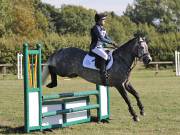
(123, 93)
(131, 90)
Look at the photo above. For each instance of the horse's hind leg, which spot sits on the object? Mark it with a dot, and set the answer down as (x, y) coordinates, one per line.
(123, 93)
(131, 90)
(53, 82)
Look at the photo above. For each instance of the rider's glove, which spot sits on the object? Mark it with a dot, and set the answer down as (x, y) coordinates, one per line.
(115, 44)
(104, 45)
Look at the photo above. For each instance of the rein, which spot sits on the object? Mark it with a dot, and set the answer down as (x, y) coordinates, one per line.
(133, 65)
(134, 62)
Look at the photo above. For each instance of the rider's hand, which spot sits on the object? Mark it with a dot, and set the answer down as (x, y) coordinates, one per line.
(115, 44)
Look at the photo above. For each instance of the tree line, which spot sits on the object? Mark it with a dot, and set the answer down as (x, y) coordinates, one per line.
(69, 26)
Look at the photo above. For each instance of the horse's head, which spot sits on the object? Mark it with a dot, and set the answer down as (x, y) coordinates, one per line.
(142, 50)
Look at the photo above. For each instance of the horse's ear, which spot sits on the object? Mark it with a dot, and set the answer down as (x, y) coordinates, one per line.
(148, 40)
(140, 33)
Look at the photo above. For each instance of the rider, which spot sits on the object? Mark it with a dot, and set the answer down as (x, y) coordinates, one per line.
(98, 39)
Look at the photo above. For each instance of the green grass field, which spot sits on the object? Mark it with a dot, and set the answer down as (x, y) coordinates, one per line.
(160, 96)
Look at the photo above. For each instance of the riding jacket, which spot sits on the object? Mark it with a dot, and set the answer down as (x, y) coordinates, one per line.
(99, 39)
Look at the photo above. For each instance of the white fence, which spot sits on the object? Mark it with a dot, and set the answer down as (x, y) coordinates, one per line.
(177, 62)
(19, 66)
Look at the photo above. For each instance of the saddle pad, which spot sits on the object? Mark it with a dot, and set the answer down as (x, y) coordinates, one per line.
(89, 62)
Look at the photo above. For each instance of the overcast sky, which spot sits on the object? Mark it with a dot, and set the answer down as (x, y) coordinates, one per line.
(118, 6)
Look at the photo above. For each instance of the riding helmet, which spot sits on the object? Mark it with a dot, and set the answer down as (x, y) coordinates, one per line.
(100, 16)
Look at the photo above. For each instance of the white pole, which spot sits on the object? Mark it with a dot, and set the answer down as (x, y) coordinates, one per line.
(19, 66)
(176, 61)
(178, 64)
(21, 75)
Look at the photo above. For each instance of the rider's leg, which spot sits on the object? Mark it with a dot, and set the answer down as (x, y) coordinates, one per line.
(100, 52)
(103, 71)
(103, 58)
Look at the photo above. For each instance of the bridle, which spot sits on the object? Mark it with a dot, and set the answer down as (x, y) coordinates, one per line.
(142, 49)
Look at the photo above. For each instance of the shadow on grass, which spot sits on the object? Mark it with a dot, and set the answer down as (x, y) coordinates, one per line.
(20, 130)
(95, 119)
(11, 130)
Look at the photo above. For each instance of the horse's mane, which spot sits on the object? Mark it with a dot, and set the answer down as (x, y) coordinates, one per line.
(127, 43)
(122, 47)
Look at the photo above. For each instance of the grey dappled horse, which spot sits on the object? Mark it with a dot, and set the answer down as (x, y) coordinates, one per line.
(67, 62)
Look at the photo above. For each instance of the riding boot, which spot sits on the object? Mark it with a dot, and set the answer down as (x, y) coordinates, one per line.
(103, 72)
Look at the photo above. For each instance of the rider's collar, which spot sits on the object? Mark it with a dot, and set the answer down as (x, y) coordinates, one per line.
(101, 26)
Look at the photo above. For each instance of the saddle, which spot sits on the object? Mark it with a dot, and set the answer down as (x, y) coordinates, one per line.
(91, 60)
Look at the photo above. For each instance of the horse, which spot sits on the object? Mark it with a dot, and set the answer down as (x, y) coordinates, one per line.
(67, 62)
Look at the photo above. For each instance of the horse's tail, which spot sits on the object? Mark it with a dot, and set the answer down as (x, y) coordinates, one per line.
(45, 73)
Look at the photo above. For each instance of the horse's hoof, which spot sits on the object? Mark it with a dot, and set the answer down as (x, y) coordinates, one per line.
(136, 119)
(142, 113)
(51, 85)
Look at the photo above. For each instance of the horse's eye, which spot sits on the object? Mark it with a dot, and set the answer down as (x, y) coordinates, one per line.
(141, 47)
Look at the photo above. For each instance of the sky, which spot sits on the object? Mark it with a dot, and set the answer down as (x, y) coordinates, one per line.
(118, 6)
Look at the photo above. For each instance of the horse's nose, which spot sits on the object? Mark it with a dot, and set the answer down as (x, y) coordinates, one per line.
(147, 59)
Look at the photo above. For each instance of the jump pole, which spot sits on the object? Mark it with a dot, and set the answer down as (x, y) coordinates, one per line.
(19, 66)
(177, 63)
(57, 110)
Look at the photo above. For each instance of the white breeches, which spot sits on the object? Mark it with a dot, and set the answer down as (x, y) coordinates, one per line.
(100, 52)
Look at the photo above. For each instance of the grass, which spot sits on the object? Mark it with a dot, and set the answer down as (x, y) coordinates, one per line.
(160, 95)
